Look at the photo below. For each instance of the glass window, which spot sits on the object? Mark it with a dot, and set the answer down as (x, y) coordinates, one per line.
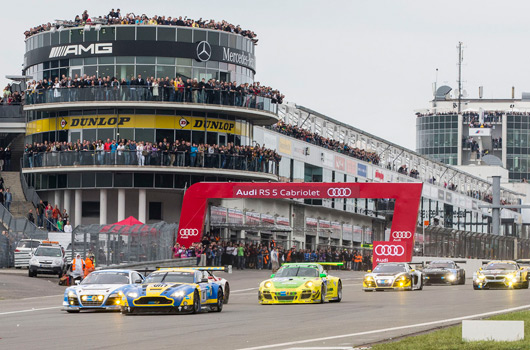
(162, 134)
(55, 38)
(91, 36)
(143, 180)
(125, 59)
(184, 72)
(64, 37)
(232, 40)
(155, 208)
(126, 133)
(184, 61)
(107, 34)
(145, 60)
(91, 60)
(199, 35)
(145, 135)
(212, 64)
(103, 180)
(89, 134)
(106, 71)
(74, 180)
(145, 71)
(76, 36)
(90, 209)
(224, 39)
(123, 180)
(91, 70)
(213, 38)
(54, 64)
(184, 35)
(146, 33)
(88, 179)
(165, 71)
(166, 60)
(124, 71)
(164, 180)
(106, 60)
(185, 135)
(104, 134)
(76, 61)
(125, 33)
(166, 34)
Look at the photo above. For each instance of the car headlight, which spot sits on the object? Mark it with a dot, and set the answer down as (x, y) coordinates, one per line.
(309, 284)
(33, 261)
(178, 294)
(403, 278)
(71, 294)
(368, 278)
(451, 277)
(132, 295)
(268, 284)
(481, 276)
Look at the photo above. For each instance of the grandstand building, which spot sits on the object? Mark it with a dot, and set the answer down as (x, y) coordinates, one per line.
(102, 186)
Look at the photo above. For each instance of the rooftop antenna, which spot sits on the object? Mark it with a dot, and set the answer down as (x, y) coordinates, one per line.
(460, 59)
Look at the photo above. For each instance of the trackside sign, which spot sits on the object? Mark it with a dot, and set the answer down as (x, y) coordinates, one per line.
(407, 200)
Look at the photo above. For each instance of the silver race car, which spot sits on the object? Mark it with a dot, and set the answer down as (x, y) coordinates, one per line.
(444, 272)
(393, 276)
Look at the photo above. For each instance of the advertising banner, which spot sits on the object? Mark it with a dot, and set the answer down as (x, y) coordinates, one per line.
(384, 252)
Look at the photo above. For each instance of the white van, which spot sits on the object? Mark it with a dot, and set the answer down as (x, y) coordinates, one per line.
(25, 248)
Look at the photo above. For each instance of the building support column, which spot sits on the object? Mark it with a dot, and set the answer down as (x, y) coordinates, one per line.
(103, 197)
(78, 207)
(57, 199)
(142, 205)
(121, 204)
(68, 203)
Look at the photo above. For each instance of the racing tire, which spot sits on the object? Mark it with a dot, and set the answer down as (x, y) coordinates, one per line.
(421, 284)
(525, 285)
(127, 310)
(322, 295)
(220, 300)
(227, 293)
(72, 311)
(31, 273)
(462, 279)
(196, 302)
(339, 293)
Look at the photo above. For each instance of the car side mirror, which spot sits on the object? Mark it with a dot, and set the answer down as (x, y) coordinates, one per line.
(272, 276)
(323, 275)
(138, 281)
(369, 271)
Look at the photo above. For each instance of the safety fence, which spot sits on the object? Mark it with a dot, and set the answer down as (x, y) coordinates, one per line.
(153, 94)
(124, 244)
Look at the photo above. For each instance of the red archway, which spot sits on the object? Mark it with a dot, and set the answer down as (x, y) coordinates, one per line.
(407, 196)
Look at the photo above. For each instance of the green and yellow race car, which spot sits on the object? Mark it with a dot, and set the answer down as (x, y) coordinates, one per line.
(301, 283)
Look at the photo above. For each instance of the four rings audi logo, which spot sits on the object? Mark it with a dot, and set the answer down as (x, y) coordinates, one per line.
(204, 51)
(339, 192)
(390, 250)
(401, 235)
(186, 232)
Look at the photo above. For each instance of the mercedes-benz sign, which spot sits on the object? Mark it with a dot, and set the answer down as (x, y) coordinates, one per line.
(339, 192)
(204, 51)
(401, 235)
(186, 232)
(390, 250)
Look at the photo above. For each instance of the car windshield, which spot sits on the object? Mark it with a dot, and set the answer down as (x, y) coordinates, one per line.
(440, 265)
(107, 278)
(49, 251)
(501, 266)
(28, 244)
(390, 268)
(176, 276)
(297, 272)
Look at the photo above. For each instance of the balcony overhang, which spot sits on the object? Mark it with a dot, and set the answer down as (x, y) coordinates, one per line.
(238, 174)
(256, 116)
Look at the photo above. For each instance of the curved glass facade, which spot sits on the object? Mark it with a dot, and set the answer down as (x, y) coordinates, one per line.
(437, 137)
(518, 147)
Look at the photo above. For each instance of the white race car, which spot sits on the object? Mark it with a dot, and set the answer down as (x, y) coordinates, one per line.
(208, 272)
(100, 290)
(393, 276)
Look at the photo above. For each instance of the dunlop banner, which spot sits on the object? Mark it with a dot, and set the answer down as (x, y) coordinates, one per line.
(134, 121)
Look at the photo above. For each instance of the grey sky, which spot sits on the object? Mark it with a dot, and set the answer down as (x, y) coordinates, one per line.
(367, 63)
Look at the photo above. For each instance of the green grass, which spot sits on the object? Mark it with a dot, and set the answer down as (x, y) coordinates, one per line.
(451, 338)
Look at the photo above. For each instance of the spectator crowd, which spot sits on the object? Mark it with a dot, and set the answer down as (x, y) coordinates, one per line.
(116, 18)
(263, 255)
(165, 153)
(316, 139)
(10, 97)
(50, 217)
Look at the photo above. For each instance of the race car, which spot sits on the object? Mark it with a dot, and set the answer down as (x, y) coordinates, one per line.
(444, 271)
(500, 274)
(173, 290)
(301, 283)
(100, 290)
(393, 276)
(208, 272)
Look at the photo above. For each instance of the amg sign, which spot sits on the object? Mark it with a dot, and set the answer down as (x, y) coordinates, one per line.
(76, 50)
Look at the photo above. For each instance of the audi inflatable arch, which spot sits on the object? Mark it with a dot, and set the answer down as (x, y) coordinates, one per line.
(407, 200)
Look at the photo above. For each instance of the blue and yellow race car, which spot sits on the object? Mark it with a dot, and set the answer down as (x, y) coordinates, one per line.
(173, 291)
(301, 283)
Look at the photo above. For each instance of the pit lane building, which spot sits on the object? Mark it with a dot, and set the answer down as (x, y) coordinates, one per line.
(96, 192)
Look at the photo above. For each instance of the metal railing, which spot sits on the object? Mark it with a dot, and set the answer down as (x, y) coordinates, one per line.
(11, 111)
(146, 158)
(29, 192)
(20, 226)
(152, 94)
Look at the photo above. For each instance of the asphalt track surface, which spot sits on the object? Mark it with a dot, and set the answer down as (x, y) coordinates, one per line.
(31, 317)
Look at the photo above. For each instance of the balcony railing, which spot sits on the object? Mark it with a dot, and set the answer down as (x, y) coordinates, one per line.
(149, 158)
(152, 94)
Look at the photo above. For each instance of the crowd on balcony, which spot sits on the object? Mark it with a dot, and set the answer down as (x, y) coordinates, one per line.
(316, 139)
(266, 255)
(10, 97)
(178, 89)
(164, 153)
(405, 171)
(116, 18)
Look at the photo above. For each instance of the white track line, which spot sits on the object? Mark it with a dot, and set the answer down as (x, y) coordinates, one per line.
(29, 310)
(242, 290)
(417, 325)
(46, 296)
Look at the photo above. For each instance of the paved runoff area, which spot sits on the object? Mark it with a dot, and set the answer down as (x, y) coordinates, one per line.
(31, 317)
